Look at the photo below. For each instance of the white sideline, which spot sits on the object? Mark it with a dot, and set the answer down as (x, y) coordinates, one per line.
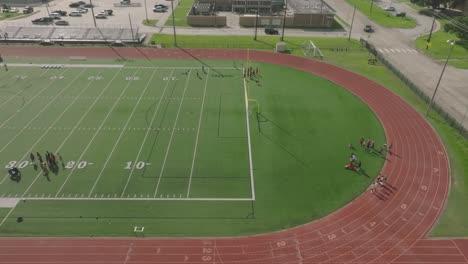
(248, 141)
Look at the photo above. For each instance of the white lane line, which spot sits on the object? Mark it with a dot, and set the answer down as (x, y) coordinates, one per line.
(43, 109)
(27, 103)
(172, 136)
(71, 132)
(248, 140)
(146, 136)
(198, 133)
(95, 198)
(121, 134)
(19, 91)
(96, 133)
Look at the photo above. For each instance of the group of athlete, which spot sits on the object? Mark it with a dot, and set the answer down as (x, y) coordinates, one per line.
(50, 161)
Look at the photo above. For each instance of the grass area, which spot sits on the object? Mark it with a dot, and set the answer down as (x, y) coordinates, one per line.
(412, 5)
(381, 16)
(172, 132)
(9, 15)
(440, 48)
(150, 22)
(180, 18)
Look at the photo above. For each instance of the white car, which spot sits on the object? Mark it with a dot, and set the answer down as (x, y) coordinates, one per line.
(75, 14)
(101, 15)
(159, 9)
(82, 10)
(390, 8)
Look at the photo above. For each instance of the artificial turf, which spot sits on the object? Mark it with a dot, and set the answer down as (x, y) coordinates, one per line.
(103, 118)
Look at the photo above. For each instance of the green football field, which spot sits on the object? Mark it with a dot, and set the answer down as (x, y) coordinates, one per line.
(176, 148)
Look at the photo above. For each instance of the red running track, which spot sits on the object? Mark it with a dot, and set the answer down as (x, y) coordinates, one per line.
(386, 228)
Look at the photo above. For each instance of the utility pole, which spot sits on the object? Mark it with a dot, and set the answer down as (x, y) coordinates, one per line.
(351, 27)
(452, 44)
(371, 5)
(92, 12)
(430, 33)
(131, 27)
(173, 22)
(146, 11)
(284, 19)
(256, 24)
(47, 7)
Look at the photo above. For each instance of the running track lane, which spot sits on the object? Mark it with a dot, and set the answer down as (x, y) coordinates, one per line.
(386, 228)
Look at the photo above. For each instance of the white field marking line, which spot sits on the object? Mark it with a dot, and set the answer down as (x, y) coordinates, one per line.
(43, 134)
(248, 140)
(121, 133)
(146, 135)
(71, 132)
(20, 90)
(172, 134)
(5, 218)
(95, 134)
(110, 66)
(32, 99)
(198, 133)
(40, 112)
(131, 199)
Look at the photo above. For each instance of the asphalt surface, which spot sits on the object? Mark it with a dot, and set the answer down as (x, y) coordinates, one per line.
(396, 45)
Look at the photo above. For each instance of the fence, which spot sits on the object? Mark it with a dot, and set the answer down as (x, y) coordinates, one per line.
(435, 107)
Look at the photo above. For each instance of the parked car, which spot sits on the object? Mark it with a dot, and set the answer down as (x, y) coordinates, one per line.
(81, 2)
(88, 5)
(271, 31)
(74, 14)
(159, 9)
(61, 12)
(125, 2)
(74, 5)
(400, 14)
(390, 8)
(108, 12)
(10, 10)
(101, 15)
(368, 29)
(62, 23)
(55, 15)
(82, 10)
(42, 21)
(161, 5)
(28, 10)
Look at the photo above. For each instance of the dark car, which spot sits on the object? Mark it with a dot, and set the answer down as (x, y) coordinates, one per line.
(368, 29)
(42, 21)
(62, 23)
(88, 5)
(400, 14)
(271, 31)
(81, 2)
(28, 9)
(61, 12)
(74, 5)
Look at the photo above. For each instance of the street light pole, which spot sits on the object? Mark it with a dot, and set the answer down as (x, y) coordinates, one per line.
(173, 22)
(430, 34)
(371, 5)
(284, 19)
(256, 25)
(352, 22)
(92, 12)
(146, 11)
(452, 44)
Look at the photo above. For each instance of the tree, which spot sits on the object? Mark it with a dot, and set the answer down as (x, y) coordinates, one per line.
(433, 3)
(459, 27)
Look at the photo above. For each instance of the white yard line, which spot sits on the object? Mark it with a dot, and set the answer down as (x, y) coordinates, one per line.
(107, 66)
(121, 134)
(95, 134)
(172, 135)
(71, 132)
(19, 91)
(6, 217)
(42, 110)
(32, 99)
(198, 133)
(131, 199)
(146, 135)
(248, 140)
